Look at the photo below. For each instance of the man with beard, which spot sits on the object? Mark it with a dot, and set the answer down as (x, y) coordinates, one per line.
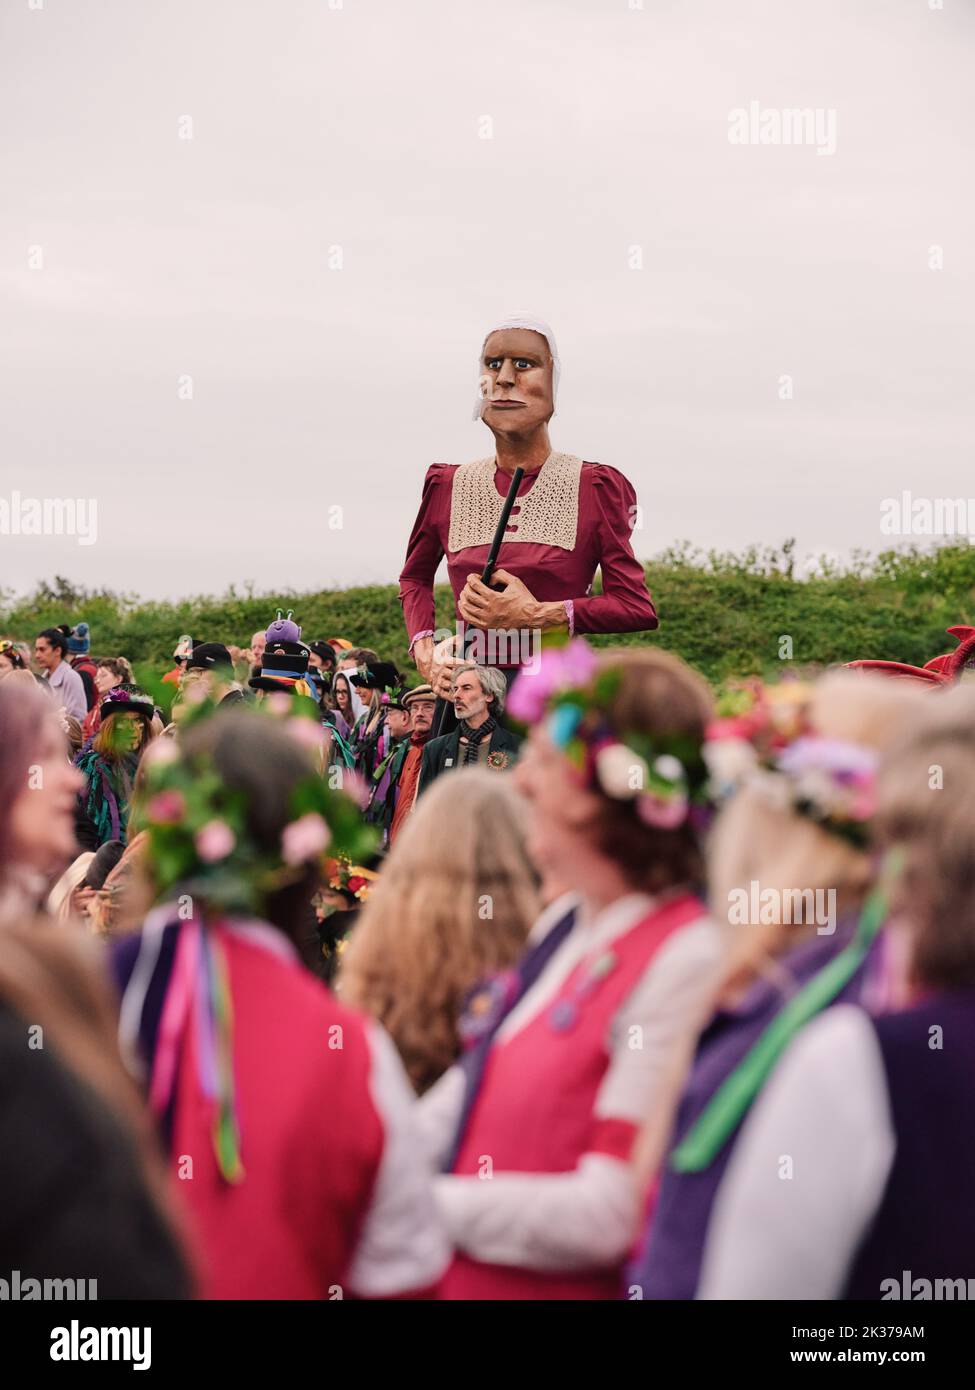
(478, 694)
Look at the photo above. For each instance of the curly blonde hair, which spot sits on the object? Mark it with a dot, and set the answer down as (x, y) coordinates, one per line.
(454, 901)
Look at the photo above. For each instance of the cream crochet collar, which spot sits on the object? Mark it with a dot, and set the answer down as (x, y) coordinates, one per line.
(548, 515)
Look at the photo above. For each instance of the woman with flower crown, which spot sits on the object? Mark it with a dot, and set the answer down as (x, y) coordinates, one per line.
(286, 1115)
(548, 1102)
(790, 874)
(875, 1112)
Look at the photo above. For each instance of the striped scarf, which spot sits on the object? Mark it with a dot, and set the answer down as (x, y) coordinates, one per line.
(474, 737)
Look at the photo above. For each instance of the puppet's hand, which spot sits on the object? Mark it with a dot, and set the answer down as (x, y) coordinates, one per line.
(514, 606)
(442, 663)
(423, 655)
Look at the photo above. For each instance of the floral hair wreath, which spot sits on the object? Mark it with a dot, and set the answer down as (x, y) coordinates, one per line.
(664, 776)
(198, 833)
(342, 876)
(764, 739)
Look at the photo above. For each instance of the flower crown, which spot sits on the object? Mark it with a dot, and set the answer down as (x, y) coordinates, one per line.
(663, 775)
(130, 694)
(764, 739)
(342, 876)
(198, 826)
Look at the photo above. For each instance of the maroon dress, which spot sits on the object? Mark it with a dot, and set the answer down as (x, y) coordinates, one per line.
(606, 505)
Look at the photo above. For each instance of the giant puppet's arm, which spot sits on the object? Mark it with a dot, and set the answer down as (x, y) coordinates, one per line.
(423, 555)
(625, 604)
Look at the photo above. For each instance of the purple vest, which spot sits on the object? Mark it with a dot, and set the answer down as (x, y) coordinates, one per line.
(668, 1264)
(925, 1224)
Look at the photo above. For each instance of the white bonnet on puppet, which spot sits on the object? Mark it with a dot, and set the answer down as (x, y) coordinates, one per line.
(519, 320)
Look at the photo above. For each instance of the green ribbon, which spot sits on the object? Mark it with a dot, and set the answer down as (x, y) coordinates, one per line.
(731, 1101)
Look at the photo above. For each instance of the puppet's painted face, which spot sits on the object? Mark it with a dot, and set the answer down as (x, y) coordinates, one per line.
(516, 381)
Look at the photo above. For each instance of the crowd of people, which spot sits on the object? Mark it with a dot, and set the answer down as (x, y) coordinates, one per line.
(664, 993)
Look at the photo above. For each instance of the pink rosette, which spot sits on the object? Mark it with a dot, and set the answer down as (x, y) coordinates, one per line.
(214, 841)
(166, 808)
(662, 813)
(308, 732)
(356, 786)
(304, 839)
(161, 752)
(559, 668)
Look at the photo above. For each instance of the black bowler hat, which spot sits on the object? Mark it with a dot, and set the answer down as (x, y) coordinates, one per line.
(207, 655)
(376, 675)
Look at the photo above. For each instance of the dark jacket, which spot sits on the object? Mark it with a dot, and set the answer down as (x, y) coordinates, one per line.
(441, 754)
(74, 1204)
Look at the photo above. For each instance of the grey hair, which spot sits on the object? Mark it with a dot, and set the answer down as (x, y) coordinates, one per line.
(492, 683)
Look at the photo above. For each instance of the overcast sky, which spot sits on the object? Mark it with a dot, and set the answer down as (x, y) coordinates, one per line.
(360, 127)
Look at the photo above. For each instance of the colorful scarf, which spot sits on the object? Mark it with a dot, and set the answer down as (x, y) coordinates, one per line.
(106, 796)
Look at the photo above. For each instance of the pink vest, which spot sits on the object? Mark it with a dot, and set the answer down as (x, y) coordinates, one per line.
(534, 1112)
(311, 1137)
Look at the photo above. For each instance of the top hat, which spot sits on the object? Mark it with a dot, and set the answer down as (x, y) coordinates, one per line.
(283, 665)
(123, 698)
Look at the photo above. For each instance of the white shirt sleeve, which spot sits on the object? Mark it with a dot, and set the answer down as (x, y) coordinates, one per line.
(663, 1012)
(809, 1169)
(588, 1218)
(438, 1114)
(585, 1219)
(403, 1247)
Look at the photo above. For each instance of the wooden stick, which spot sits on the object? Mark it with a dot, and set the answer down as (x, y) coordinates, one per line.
(486, 574)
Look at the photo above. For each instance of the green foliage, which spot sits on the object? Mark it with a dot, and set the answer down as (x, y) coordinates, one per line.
(723, 613)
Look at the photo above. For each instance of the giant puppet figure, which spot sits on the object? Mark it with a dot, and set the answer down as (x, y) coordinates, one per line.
(568, 519)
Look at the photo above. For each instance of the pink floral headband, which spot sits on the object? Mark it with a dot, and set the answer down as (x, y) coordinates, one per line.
(663, 776)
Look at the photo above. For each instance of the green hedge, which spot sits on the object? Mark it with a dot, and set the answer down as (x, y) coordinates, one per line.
(726, 614)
